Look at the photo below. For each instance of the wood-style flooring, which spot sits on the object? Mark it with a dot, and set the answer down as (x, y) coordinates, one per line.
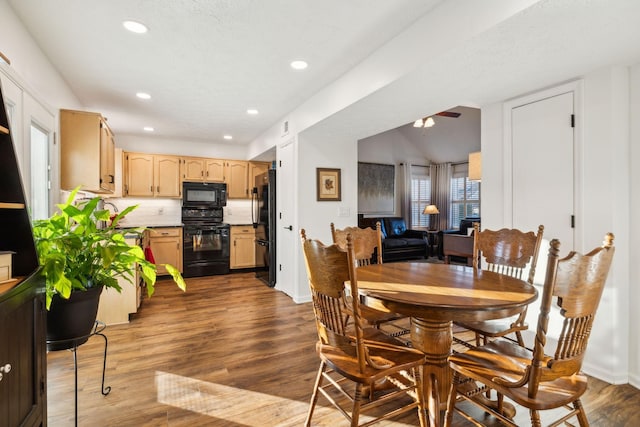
(229, 352)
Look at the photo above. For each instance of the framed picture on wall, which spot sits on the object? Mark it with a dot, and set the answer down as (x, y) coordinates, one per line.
(328, 184)
(376, 188)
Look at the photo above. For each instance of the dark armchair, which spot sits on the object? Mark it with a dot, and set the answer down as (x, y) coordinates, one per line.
(457, 245)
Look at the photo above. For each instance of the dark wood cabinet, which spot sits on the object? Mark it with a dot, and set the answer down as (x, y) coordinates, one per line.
(22, 356)
(22, 312)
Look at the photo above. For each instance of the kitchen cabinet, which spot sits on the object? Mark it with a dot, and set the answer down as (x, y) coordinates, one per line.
(23, 398)
(243, 248)
(255, 169)
(86, 152)
(240, 177)
(152, 175)
(115, 307)
(198, 169)
(236, 176)
(166, 246)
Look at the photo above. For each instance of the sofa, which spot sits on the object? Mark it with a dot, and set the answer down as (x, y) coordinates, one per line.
(398, 242)
(457, 245)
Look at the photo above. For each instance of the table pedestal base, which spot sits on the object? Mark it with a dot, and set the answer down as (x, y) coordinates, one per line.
(434, 339)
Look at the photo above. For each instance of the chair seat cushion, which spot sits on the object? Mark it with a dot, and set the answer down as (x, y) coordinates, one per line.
(403, 242)
(382, 348)
(504, 359)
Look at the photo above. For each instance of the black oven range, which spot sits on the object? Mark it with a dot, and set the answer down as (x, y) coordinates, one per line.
(205, 242)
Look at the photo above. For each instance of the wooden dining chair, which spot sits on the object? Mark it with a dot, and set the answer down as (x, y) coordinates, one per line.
(367, 246)
(367, 242)
(354, 359)
(509, 252)
(529, 377)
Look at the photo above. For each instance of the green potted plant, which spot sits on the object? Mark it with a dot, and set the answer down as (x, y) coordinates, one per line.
(79, 258)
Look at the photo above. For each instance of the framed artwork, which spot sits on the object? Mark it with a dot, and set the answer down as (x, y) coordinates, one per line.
(328, 184)
(376, 188)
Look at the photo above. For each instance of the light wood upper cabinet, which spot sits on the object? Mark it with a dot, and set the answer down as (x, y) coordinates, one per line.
(155, 175)
(86, 152)
(166, 176)
(237, 173)
(255, 169)
(192, 169)
(214, 170)
(149, 175)
(202, 169)
(138, 175)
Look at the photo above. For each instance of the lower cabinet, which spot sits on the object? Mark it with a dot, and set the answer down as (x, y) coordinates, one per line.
(166, 246)
(115, 307)
(23, 362)
(243, 247)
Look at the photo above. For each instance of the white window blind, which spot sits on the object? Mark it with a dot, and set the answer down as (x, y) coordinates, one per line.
(465, 195)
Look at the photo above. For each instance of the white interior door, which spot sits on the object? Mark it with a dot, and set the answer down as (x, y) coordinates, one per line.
(287, 234)
(543, 171)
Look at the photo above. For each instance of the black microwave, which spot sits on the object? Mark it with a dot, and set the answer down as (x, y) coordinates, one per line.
(204, 194)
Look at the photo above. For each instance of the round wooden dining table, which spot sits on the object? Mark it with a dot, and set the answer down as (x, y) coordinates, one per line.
(434, 295)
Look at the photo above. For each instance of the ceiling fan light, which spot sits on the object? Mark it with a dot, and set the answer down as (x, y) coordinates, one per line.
(417, 123)
(428, 122)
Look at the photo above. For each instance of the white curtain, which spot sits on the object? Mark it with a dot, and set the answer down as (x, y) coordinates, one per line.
(405, 192)
(440, 187)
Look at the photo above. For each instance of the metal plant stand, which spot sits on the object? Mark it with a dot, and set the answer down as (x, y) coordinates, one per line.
(73, 344)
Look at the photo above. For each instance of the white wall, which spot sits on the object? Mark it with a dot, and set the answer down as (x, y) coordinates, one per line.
(633, 277)
(604, 179)
(180, 147)
(391, 148)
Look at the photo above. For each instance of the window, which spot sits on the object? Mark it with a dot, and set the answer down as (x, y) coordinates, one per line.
(420, 195)
(465, 196)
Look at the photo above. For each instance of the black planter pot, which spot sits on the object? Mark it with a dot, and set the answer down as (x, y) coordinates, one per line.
(70, 321)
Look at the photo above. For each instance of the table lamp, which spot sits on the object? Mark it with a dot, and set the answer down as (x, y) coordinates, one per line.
(431, 210)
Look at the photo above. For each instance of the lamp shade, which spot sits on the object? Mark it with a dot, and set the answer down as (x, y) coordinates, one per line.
(475, 166)
(430, 209)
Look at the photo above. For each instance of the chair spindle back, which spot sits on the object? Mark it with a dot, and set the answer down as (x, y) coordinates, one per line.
(507, 251)
(365, 242)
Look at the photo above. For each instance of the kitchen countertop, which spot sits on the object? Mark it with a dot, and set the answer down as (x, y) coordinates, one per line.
(151, 225)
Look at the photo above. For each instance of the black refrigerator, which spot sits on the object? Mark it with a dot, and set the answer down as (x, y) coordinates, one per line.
(263, 216)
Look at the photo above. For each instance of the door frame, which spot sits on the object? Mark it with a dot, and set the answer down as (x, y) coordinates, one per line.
(577, 87)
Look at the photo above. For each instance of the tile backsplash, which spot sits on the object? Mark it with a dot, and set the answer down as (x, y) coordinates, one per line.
(237, 212)
(150, 212)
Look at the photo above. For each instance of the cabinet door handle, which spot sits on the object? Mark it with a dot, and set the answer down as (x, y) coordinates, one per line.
(158, 189)
(4, 370)
(112, 179)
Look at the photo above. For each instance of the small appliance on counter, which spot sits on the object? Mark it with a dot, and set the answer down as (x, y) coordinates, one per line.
(263, 216)
(206, 242)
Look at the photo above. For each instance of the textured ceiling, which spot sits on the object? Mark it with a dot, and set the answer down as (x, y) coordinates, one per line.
(205, 62)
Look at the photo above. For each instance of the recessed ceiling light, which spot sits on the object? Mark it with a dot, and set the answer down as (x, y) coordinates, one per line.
(143, 95)
(299, 65)
(252, 111)
(135, 27)
(227, 137)
(148, 129)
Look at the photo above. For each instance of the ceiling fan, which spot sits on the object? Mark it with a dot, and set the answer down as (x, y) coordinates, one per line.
(427, 122)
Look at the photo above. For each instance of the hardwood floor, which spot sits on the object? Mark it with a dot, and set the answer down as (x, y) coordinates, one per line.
(229, 352)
